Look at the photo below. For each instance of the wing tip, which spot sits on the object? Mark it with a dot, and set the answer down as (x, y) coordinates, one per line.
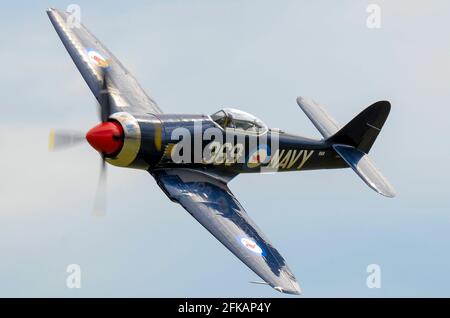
(289, 286)
(52, 14)
(51, 10)
(292, 291)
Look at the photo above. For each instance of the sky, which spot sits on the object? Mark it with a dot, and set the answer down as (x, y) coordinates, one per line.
(197, 57)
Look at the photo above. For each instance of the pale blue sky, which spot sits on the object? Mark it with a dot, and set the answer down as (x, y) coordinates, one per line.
(195, 57)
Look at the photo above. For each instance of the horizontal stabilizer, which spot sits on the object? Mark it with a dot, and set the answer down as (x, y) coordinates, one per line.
(366, 169)
(324, 123)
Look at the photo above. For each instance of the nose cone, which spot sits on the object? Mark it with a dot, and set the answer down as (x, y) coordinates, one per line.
(106, 138)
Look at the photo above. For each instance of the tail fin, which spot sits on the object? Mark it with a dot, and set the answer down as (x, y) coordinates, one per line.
(362, 130)
(354, 140)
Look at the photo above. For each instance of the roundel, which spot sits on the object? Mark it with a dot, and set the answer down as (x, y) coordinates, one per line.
(260, 155)
(251, 245)
(97, 59)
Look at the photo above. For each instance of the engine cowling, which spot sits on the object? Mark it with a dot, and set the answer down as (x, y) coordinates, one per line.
(131, 140)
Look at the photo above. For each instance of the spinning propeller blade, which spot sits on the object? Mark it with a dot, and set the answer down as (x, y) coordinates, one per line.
(105, 138)
(63, 139)
(99, 208)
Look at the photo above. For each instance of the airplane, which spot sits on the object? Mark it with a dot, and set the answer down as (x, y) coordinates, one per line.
(194, 157)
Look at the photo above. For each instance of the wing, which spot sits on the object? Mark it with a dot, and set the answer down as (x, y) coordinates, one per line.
(211, 203)
(91, 57)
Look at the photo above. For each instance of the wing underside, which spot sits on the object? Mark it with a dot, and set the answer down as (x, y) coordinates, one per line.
(92, 59)
(213, 205)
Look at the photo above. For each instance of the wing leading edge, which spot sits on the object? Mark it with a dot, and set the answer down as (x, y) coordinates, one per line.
(91, 57)
(213, 205)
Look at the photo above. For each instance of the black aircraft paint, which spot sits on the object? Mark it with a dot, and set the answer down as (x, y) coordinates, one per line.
(294, 153)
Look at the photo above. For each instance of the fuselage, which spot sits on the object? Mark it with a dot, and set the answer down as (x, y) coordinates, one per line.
(197, 141)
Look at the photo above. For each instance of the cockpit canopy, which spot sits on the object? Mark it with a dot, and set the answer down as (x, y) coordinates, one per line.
(238, 120)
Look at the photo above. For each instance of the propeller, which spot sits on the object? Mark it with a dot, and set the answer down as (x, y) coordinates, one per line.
(99, 208)
(63, 139)
(106, 138)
